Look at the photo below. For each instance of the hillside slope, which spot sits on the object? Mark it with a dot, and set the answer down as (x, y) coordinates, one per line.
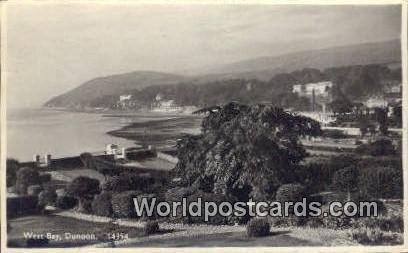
(264, 68)
(111, 86)
(259, 68)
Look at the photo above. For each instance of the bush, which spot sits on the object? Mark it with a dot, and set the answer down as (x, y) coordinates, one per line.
(129, 182)
(26, 177)
(290, 192)
(101, 204)
(178, 193)
(83, 187)
(47, 197)
(381, 182)
(66, 202)
(381, 147)
(85, 205)
(34, 190)
(287, 221)
(123, 205)
(149, 197)
(374, 236)
(117, 184)
(45, 178)
(346, 180)
(218, 219)
(150, 227)
(392, 223)
(257, 227)
(341, 222)
(22, 205)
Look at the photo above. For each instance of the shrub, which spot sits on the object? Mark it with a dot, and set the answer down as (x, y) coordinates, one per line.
(257, 227)
(217, 219)
(85, 205)
(178, 193)
(47, 197)
(101, 204)
(380, 147)
(34, 190)
(341, 222)
(66, 202)
(83, 188)
(26, 177)
(149, 198)
(123, 205)
(394, 223)
(117, 184)
(287, 221)
(150, 227)
(346, 179)
(290, 192)
(381, 182)
(22, 205)
(129, 182)
(374, 236)
(204, 183)
(45, 178)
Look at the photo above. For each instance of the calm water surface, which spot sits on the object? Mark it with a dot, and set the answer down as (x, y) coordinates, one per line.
(61, 133)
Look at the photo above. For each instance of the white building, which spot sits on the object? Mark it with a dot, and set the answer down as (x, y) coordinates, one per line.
(320, 89)
(125, 97)
(376, 102)
(323, 118)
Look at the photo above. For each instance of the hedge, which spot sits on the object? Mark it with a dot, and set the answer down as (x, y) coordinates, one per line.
(22, 205)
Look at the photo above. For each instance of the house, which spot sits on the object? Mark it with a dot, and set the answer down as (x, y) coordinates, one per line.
(373, 102)
(125, 97)
(319, 89)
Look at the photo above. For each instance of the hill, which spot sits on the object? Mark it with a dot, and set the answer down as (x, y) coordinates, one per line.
(113, 85)
(91, 93)
(264, 68)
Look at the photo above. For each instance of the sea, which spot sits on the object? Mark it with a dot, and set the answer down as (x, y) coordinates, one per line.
(64, 133)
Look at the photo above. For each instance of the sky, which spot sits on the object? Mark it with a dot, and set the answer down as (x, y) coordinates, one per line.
(53, 48)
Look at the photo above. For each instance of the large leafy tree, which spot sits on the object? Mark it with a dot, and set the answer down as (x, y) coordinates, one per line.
(245, 146)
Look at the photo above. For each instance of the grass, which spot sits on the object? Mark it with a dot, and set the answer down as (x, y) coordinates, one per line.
(229, 239)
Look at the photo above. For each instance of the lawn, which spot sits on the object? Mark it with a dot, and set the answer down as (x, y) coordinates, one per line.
(42, 224)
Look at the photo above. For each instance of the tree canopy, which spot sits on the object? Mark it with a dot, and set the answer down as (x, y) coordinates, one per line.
(242, 146)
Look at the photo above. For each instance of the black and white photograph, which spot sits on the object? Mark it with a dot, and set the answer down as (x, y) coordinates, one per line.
(212, 125)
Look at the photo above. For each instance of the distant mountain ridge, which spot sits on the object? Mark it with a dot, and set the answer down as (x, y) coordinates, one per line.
(263, 68)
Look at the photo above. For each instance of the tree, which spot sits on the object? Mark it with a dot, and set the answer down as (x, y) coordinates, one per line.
(241, 146)
(397, 115)
(83, 188)
(12, 166)
(381, 116)
(341, 106)
(25, 177)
